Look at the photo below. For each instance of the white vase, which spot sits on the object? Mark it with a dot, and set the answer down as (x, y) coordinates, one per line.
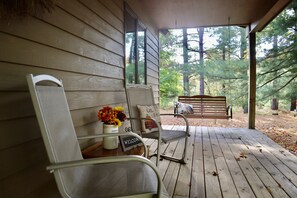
(110, 142)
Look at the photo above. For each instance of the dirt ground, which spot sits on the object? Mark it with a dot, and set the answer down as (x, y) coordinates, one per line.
(281, 128)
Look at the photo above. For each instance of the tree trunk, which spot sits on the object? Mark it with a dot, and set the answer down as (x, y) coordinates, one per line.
(201, 60)
(243, 44)
(186, 61)
(293, 103)
(275, 82)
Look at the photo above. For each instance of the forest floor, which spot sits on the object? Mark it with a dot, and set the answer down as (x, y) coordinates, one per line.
(281, 128)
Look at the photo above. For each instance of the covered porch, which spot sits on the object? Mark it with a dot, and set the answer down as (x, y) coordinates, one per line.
(82, 43)
(229, 162)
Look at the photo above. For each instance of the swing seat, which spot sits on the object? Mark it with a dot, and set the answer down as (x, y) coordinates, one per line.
(204, 106)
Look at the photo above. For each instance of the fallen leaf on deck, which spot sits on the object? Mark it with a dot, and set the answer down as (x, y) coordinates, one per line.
(214, 173)
(243, 155)
(282, 130)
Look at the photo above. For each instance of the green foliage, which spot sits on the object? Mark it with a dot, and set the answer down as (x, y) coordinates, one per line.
(222, 73)
(225, 66)
(170, 86)
(170, 76)
(278, 62)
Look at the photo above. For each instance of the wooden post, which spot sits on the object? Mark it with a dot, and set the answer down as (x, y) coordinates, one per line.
(252, 81)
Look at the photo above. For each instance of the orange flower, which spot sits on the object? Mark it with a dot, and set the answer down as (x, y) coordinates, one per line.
(113, 116)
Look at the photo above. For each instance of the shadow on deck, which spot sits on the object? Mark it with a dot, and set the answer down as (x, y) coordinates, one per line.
(228, 162)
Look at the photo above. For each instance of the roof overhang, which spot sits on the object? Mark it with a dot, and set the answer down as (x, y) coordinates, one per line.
(171, 14)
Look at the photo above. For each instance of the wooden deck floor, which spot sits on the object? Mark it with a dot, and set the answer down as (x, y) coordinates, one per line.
(229, 162)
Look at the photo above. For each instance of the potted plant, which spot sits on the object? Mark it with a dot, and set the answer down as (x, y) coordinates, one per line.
(112, 119)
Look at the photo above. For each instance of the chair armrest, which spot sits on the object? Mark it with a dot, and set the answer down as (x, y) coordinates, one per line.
(158, 125)
(115, 134)
(159, 134)
(181, 115)
(104, 160)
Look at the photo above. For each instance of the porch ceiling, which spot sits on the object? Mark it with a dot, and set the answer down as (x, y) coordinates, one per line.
(167, 14)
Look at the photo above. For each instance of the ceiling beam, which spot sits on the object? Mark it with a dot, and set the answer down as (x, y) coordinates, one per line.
(258, 26)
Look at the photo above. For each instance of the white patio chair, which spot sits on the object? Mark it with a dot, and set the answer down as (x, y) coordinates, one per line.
(141, 97)
(120, 176)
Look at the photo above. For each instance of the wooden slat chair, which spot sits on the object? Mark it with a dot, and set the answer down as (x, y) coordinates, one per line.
(142, 95)
(120, 176)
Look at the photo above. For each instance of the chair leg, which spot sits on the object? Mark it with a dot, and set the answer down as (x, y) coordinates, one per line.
(174, 159)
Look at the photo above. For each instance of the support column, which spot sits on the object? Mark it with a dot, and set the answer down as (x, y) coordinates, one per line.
(252, 81)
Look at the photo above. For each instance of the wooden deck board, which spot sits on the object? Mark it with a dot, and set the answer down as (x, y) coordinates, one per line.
(197, 188)
(183, 183)
(228, 187)
(242, 186)
(212, 184)
(228, 162)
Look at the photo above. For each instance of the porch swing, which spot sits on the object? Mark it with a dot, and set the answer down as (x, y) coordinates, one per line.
(204, 106)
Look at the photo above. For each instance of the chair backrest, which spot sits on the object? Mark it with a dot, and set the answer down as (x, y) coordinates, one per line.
(56, 126)
(54, 118)
(138, 95)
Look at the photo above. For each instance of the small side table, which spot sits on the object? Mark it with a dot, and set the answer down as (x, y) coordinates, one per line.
(97, 150)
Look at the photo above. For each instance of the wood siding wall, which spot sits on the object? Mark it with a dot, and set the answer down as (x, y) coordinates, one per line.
(80, 42)
(152, 46)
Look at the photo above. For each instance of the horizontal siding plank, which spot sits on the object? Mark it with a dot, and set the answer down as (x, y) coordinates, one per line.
(152, 80)
(152, 59)
(152, 73)
(35, 54)
(81, 117)
(15, 105)
(73, 43)
(152, 52)
(152, 45)
(13, 78)
(152, 66)
(50, 187)
(106, 14)
(60, 39)
(153, 38)
(18, 104)
(22, 183)
(21, 157)
(81, 12)
(119, 3)
(90, 129)
(116, 7)
(79, 28)
(15, 132)
(78, 100)
(86, 116)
